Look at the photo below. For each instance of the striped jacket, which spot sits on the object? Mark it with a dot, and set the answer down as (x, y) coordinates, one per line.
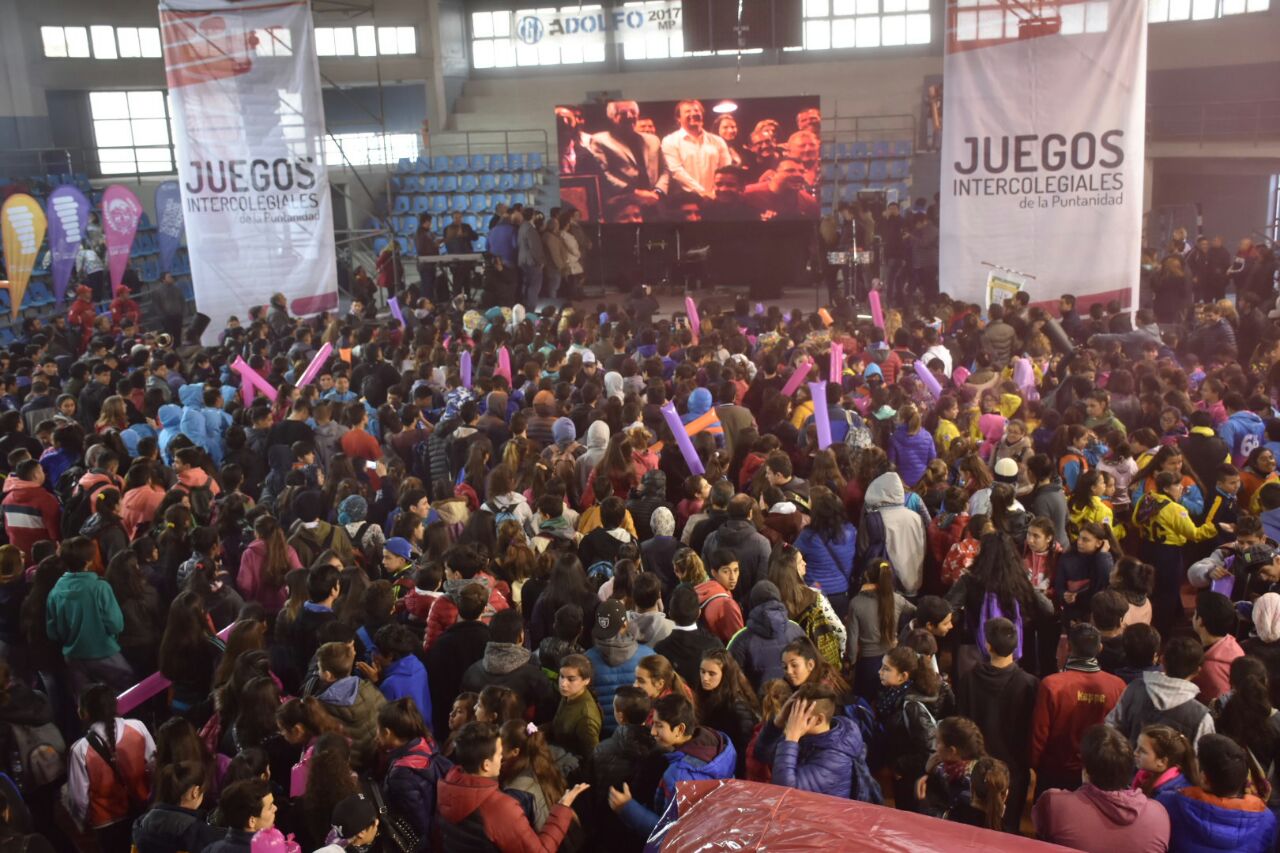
(31, 514)
(95, 796)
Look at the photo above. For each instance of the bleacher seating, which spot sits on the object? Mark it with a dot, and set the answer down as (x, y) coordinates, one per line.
(854, 165)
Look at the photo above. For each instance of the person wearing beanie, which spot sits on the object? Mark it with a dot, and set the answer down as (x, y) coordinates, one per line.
(397, 564)
(367, 538)
(311, 536)
(758, 646)
(688, 640)
(565, 447)
(355, 825)
(658, 551)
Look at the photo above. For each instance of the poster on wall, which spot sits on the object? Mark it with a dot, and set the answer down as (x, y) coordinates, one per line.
(244, 87)
(1042, 151)
(691, 160)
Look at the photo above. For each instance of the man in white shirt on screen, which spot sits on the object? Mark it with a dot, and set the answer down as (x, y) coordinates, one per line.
(692, 153)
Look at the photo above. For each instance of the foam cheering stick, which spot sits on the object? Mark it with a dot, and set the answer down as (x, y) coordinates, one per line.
(930, 381)
(1023, 376)
(797, 377)
(695, 324)
(248, 374)
(316, 363)
(821, 417)
(246, 392)
(837, 362)
(464, 367)
(692, 428)
(682, 439)
(826, 317)
(877, 311)
(504, 364)
(394, 305)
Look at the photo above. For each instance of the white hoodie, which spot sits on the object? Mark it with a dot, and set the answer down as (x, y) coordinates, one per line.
(903, 530)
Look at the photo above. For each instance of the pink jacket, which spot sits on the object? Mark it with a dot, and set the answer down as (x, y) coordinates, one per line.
(1214, 678)
(1099, 821)
(250, 578)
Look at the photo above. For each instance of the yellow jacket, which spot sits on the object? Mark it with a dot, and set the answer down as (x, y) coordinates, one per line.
(1160, 519)
(946, 433)
(801, 414)
(1098, 511)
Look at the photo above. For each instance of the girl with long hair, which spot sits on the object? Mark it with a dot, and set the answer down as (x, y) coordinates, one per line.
(330, 780)
(1246, 715)
(105, 527)
(116, 758)
(1135, 580)
(265, 564)
(802, 664)
(113, 415)
(301, 723)
(1086, 504)
(1082, 571)
(725, 701)
(1164, 527)
(567, 584)
(874, 615)
(497, 705)
(658, 678)
(411, 765)
(906, 707)
(988, 796)
(1259, 469)
(255, 725)
(528, 766)
(958, 744)
(1166, 761)
(189, 653)
(829, 545)
(807, 607)
(996, 585)
(1170, 459)
(140, 605)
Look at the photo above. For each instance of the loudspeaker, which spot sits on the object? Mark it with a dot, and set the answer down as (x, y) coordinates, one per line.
(713, 24)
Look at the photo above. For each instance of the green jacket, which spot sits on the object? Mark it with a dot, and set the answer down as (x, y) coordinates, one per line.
(576, 726)
(81, 613)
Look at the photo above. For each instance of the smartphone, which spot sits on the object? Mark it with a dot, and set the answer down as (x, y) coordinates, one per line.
(372, 466)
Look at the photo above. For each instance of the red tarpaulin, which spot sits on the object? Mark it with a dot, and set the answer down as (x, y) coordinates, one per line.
(742, 816)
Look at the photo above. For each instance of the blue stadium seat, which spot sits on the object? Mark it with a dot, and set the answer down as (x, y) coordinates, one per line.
(902, 148)
(471, 219)
(458, 163)
(488, 181)
(422, 165)
(460, 202)
(855, 170)
(881, 148)
(379, 243)
(481, 244)
(439, 163)
(439, 204)
(828, 193)
(515, 162)
(429, 183)
(404, 244)
(479, 201)
(534, 161)
(828, 171)
(862, 149)
(421, 204)
(828, 150)
(448, 183)
(845, 151)
(468, 183)
(525, 181)
(479, 162)
(849, 192)
(402, 204)
(405, 165)
(899, 169)
(879, 170)
(507, 181)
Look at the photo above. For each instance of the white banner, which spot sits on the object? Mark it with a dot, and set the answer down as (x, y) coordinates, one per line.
(249, 131)
(569, 27)
(1042, 152)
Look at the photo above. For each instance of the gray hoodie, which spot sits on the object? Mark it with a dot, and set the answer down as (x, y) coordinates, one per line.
(904, 532)
(597, 443)
(1160, 698)
(650, 628)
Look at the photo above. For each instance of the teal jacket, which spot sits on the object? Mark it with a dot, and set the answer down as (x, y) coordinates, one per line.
(82, 614)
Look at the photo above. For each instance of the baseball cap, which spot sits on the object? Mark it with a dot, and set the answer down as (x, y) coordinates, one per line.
(610, 617)
(353, 815)
(399, 546)
(588, 357)
(1006, 470)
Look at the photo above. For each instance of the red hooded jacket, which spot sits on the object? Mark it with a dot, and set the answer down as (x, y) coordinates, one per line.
(31, 514)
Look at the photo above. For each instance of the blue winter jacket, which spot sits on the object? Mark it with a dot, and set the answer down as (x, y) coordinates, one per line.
(1200, 823)
(1242, 432)
(614, 665)
(204, 426)
(822, 764)
(828, 562)
(707, 755)
(911, 453)
(170, 421)
(758, 646)
(408, 677)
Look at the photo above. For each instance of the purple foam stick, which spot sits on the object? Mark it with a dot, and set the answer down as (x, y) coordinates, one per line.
(316, 363)
(797, 377)
(821, 417)
(691, 309)
(394, 305)
(504, 364)
(682, 439)
(1023, 376)
(930, 381)
(464, 367)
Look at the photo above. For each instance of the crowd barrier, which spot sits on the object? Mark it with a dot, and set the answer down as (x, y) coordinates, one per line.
(153, 685)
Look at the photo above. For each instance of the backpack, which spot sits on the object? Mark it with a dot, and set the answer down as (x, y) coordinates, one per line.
(39, 756)
(857, 436)
(819, 629)
(203, 506)
(65, 488)
(991, 610)
(873, 543)
(507, 513)
(599, 573)
(79, 506)
(702, 610)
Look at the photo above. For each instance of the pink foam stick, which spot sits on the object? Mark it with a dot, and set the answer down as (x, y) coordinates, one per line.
(837, 362)
(797, 377)
(316, 363)
(877, 311)
(504, 364)
(248, 374)
(247, 392)
(821, 417)
(691, 309)
(464, 368)
(930, 381)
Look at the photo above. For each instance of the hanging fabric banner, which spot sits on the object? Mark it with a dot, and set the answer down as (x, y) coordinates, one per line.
(121, 211)
(68, 212)
(244, 85)
(22, 225)
(168, 222)
(1042, 149)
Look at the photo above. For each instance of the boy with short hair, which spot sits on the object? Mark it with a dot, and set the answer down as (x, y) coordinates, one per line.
(1106, 611)
(617, 759)
(1000, 697)
(247, 808)
(1141, 644)
(693, 752)
(812, 749)
(1167, 698)
(1214, 622)
(397, 564)
(350, 700)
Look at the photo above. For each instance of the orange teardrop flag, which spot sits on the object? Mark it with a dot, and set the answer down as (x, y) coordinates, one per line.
(22, 226)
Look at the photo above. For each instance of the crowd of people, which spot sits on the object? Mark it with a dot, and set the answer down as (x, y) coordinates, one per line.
(468, 587)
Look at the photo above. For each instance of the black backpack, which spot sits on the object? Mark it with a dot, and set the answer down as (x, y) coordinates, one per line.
(79, 506)
(203, 503)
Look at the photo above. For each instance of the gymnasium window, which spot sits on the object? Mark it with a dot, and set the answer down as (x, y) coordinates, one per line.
(366, 41)
(107, 42)
(840, 24)
(982, 20)
(494, 43)
(1160, 11)
(131, 131)
(369, 149)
